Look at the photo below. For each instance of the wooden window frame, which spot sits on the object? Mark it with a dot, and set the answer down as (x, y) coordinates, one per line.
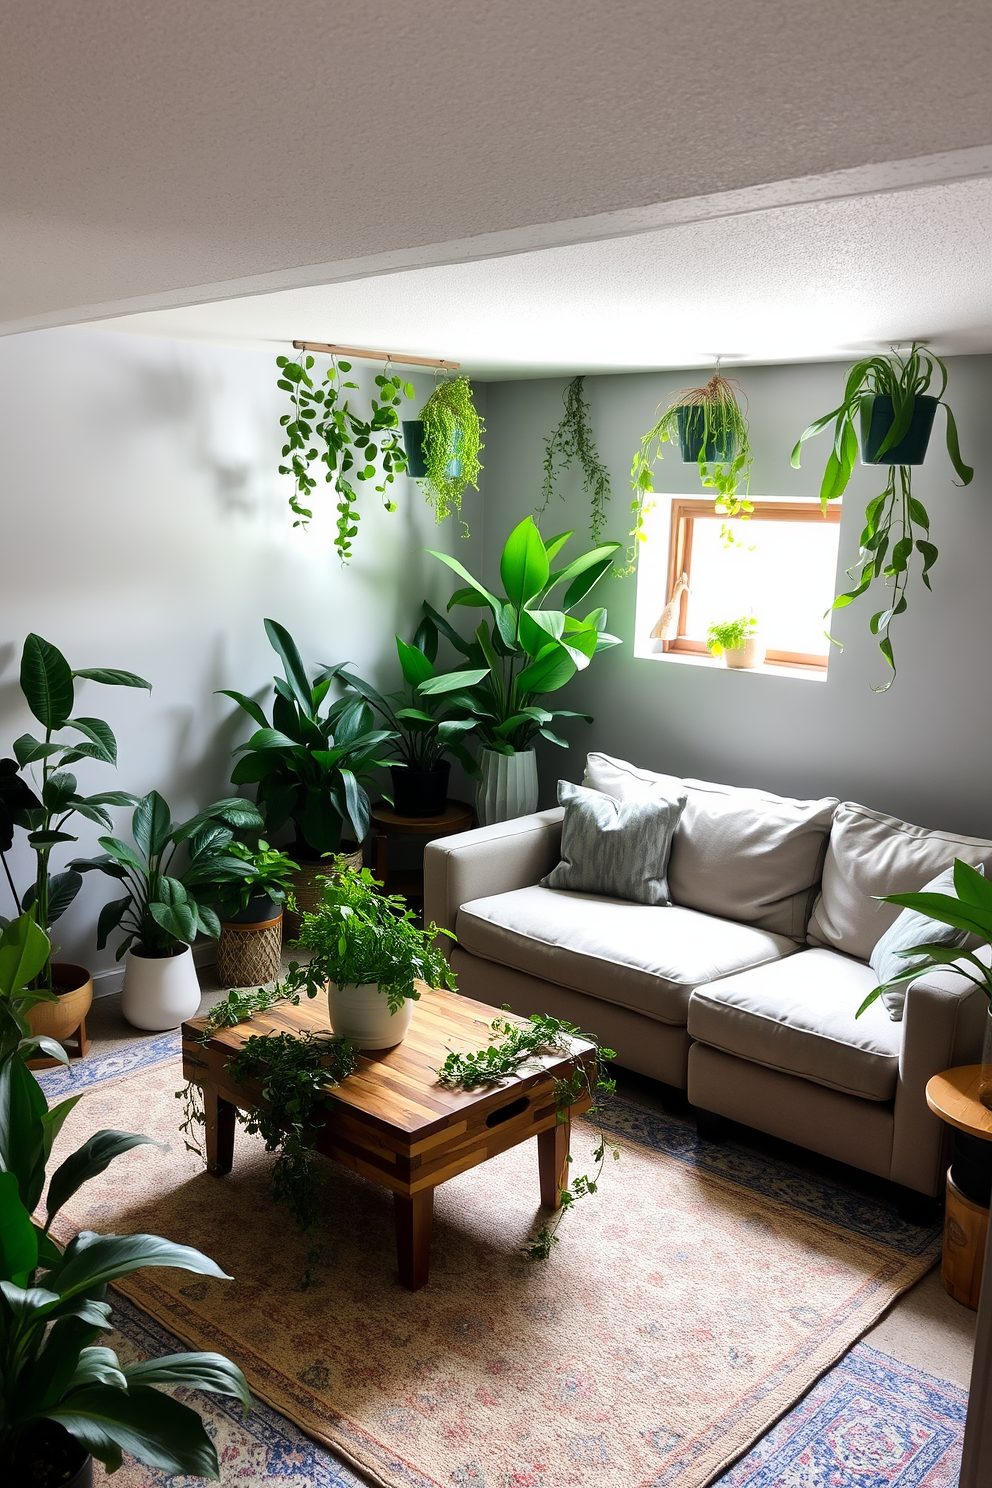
(685, 510)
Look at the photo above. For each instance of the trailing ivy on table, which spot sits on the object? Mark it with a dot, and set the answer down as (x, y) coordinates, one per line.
(324, 428)
(572, 441)
(512, 1046)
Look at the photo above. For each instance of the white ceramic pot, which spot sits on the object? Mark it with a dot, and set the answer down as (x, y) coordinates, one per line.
(751, 654)
(508, 787)
(159, 991)
(360, 1012)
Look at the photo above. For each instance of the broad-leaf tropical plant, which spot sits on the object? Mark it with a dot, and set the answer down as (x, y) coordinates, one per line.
(529, 648)
(168, 897)
(55, 1375)
(311, 764)
(44, 798)
(896, 523)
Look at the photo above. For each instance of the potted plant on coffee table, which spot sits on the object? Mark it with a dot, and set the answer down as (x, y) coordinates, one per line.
(39, 795)
(311, 766)
(428, 722)
(736, 641)
(167, 905)
(889, 396)
(530, 651)
(250, 911)
(366, 948)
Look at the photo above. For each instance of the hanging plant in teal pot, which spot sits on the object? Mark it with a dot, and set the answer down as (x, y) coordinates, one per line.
(444, 444)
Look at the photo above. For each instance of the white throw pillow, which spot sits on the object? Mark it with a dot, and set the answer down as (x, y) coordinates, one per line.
(910, 929)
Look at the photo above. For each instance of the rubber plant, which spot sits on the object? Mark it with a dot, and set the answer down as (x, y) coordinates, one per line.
(570, 443)
(451, 435)
(63, 1393)
(890, 393)
(711, 428)
(323, 428)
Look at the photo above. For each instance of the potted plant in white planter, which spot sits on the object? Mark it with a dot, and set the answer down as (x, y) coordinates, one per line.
(736, 641)
(529, 651)
(164, 908)
(366, 948)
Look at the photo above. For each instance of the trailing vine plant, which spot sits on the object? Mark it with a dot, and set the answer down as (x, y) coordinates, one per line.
(572, 441)
(452, 440)
(323, 428)
(512, 1046)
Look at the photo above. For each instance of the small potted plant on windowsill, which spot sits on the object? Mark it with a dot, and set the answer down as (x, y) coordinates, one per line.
(737, 642)
(368, 951)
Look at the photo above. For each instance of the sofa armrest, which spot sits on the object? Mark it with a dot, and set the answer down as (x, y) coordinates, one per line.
(488, 860)
(945, 1020)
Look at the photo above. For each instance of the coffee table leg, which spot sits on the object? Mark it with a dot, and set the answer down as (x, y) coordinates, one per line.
(219, 1133)
(414, 1222)
(552, 1160)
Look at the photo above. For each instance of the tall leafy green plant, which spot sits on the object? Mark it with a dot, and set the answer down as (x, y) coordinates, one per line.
(573, 442)
(896, 523)
(451, 444)
(529, 649)
(311, 764)
(42, 801)
(323, 428)
(55, 1377)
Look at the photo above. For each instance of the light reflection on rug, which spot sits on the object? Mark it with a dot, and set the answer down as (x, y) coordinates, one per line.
(689, 1305)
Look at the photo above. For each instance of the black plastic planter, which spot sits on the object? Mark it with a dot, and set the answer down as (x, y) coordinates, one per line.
(876, 421)
(48, 1456)
(721, 445)
(420, 792)
(413, 440)
(260, 910)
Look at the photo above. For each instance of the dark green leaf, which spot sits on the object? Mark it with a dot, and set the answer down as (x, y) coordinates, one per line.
(154, 1428)
(46, 682)
(113, 677)
(93, 1157)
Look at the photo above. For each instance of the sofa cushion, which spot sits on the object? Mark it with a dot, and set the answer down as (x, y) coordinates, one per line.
(745, 855)
(870, 853)
(640, 956)
(798, 1016)
(617, 849)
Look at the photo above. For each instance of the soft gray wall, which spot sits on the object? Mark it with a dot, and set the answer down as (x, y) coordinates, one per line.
(145, 526)
(919, 751)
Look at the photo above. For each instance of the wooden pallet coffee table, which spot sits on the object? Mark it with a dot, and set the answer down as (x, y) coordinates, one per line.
(391, 1121)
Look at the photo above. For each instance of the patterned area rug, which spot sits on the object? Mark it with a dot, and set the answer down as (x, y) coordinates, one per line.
(688, 1306)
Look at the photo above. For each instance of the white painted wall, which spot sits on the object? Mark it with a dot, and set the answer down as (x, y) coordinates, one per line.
(145, 526)
(921, 750)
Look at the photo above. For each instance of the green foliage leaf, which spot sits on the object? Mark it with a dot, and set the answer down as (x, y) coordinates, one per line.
(46, 682)
(88, 1161)
(113, 677)
(524, 567)
(18, 1236)
(154, 1428)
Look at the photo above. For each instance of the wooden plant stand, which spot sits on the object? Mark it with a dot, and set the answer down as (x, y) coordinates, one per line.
(391, 1121)
(953, 1096)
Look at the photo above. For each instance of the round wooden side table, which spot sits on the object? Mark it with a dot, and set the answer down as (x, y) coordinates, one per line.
(457, 816)
(953, 1096)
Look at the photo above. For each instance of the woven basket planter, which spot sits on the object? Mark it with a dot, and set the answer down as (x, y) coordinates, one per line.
(249, 955)
(306, 889)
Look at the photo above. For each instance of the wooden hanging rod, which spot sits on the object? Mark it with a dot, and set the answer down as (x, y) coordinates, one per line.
(375, 356)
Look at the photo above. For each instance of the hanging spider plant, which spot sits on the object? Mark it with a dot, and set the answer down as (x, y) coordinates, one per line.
(889, 395)
(444, 445)
(711, 429)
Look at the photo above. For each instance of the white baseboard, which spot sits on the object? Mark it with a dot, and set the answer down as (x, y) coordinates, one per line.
(106, 983)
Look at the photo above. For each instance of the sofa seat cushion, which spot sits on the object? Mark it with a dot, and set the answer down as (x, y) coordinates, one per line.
(640, 956)
(798, 1016)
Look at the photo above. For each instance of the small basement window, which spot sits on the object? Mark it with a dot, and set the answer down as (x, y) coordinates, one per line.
(779, 565)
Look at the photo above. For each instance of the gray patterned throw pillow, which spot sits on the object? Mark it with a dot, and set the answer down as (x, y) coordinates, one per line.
(618, 849)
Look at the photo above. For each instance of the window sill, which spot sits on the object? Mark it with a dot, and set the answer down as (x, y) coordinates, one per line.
(767, 669)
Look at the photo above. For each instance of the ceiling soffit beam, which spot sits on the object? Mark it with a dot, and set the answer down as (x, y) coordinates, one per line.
(858, 181)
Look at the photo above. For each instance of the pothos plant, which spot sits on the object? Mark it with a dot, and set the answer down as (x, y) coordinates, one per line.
(451, 441)
(572, 442)
(886, 388)
(323, 428)
(513, 1045)
(711, 428)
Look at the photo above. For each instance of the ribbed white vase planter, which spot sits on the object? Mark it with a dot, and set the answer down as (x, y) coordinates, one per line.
(360, 1012)
(508, 787)
(159, 991)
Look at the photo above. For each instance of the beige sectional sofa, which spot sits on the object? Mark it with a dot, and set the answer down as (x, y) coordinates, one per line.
(743, 991)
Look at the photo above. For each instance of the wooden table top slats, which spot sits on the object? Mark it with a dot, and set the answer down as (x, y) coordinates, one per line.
(953, 1096)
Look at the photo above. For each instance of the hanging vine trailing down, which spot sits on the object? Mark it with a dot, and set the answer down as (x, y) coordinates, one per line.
(453, 432)
(511, 1047)
(323, 428)
(572, 441)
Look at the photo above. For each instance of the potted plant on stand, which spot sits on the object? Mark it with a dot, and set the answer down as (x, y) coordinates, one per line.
(164, 910)
(889, 397)
(39, 795)
(431, 723)
(367, 950)
(250, 911)
(444, 444)
(311, 766)
(736, 641)
(530, 651)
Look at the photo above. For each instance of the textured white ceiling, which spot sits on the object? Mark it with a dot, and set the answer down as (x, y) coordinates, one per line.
(808, 282)
(154, 149)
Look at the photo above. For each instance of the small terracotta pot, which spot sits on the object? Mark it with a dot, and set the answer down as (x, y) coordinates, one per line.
(751, 654)
(65, 1019)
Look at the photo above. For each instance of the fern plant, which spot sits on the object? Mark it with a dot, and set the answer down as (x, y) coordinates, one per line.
(452, 439)
(572, 441)
(711, 426)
